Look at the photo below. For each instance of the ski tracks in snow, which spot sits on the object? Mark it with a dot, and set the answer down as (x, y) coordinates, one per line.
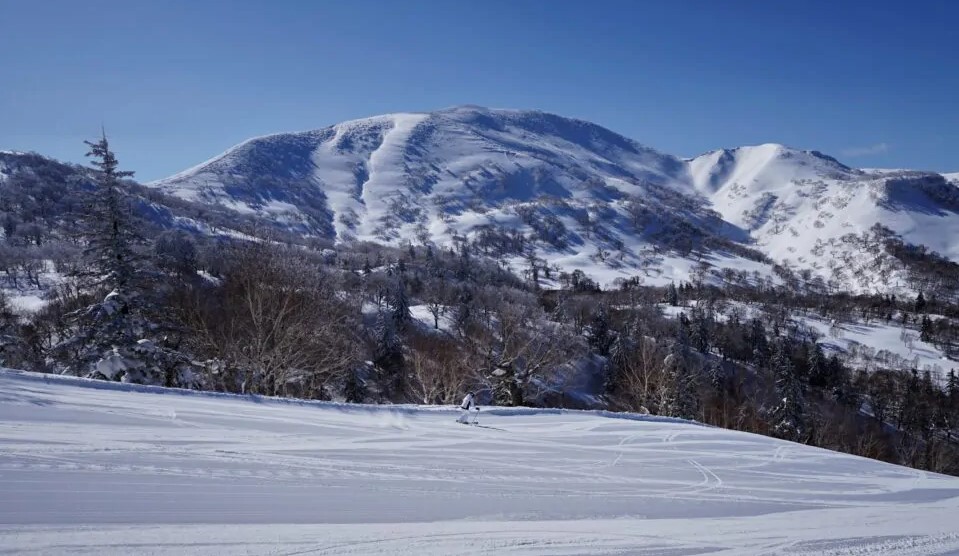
(84, 470)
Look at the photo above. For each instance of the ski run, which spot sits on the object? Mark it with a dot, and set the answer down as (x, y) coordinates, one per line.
(92, 467)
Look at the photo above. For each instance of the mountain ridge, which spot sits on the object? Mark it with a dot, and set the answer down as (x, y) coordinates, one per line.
(533, 188)
(453, 174)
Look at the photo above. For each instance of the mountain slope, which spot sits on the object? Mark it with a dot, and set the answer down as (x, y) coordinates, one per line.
(47, 196)
(110, 468)
(521, 183)
(805, 208)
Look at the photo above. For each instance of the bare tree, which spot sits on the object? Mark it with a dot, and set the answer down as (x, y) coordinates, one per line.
(280, 323)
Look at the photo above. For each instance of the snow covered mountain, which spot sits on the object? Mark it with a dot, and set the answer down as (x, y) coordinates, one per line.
(91, 467)
(533, 189)
(805, 208)
(577, 195)
(517, 182)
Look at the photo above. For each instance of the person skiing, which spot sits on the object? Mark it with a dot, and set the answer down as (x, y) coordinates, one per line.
(469, 403)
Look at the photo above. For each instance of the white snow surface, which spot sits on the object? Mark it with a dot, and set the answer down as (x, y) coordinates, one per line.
(799, 205)
(104, 468)
(26, 297)
(861, 343)
(887, 340)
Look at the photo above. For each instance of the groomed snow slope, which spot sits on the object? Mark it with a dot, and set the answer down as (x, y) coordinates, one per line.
(88, 468)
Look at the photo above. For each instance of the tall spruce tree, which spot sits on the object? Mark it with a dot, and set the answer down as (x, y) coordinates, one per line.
(111, 338)
(599, 336)
(109, 229)
(817, 367)
(925, 329)
(672, 296)
(788, 416)
(682, 384)
(952, 387)
(400, 304)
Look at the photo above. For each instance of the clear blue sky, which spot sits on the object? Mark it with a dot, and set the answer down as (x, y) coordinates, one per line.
(176, 82)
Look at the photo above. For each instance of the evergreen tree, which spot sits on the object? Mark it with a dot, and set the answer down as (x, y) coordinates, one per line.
(111, 338)
(788, 416)
(619, 353)
(12, 348)
(463, 311)
(672, 296)
(818, 370)
(920, 303)
(758, 343)
(684, 331)
(400, 305)
(716, 375)
(925, 329)
(599, 337)
(699, 334)
(952, 387)
(388, 353)
(110, 230)
(683, 399)
(354, 388)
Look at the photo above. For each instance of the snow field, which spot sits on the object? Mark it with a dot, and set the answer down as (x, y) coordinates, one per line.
(103, 468)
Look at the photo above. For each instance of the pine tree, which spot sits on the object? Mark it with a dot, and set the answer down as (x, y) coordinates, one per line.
(716, 375)
(110, 230)
(683, 400)
(388, 353)
(788, 416)
(817, 368)
(619, 353)
(925, 329)
(12, 348)
(354, 389)
(111, 338)
(599, 337)
(699, 333)
(672, 296)
(952, 387)
(758, 343)
(920, 303)
(400, 305)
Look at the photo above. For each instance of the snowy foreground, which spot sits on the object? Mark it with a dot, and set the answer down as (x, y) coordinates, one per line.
(98, 468)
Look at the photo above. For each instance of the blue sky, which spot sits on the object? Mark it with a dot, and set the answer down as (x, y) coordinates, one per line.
(177, 82)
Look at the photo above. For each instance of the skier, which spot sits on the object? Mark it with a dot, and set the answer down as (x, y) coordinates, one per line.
(467, 406)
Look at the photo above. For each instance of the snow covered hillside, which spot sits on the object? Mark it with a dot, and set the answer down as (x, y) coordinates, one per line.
(102, 468)
(577, 195)
(802, 206)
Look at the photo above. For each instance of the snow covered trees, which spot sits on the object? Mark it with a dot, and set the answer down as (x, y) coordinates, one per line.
(788, 415)
(109, 228)
(680, 389)
(110, 337)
